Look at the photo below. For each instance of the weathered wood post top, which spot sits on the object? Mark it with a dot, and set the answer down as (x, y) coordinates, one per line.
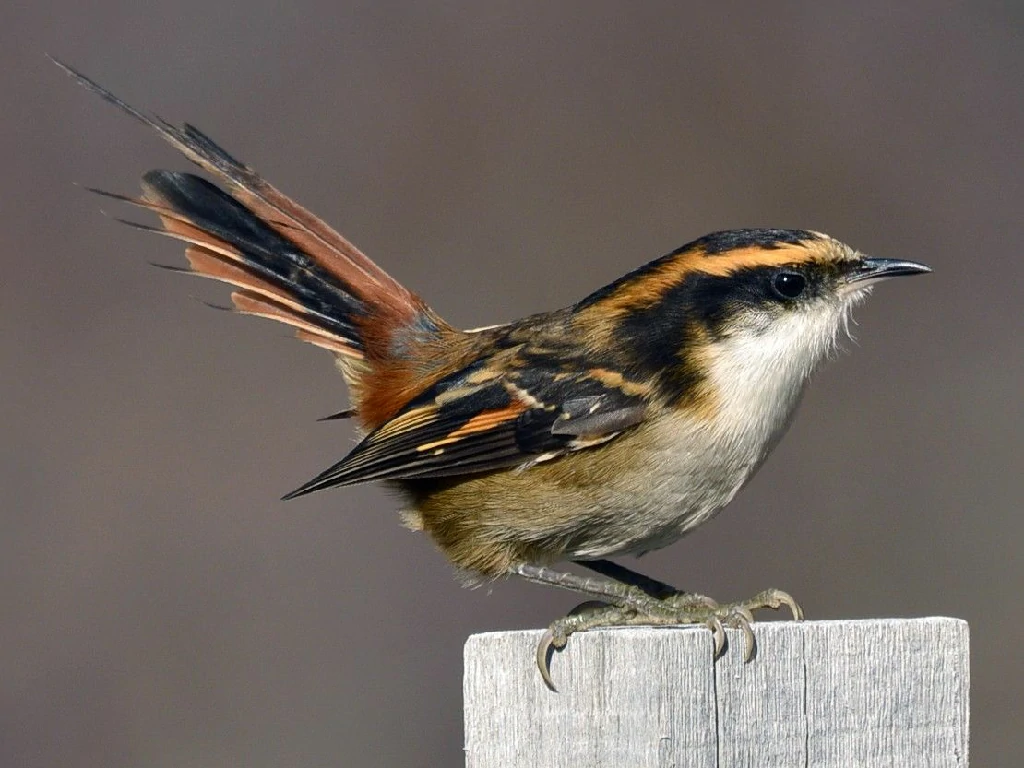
(889, 692)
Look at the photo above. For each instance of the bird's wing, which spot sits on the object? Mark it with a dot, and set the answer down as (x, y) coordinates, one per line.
(481, 419)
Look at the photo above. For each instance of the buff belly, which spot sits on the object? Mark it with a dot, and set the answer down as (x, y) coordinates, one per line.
(640, 492)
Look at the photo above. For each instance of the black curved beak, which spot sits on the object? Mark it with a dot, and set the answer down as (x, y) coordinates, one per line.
(883, 269)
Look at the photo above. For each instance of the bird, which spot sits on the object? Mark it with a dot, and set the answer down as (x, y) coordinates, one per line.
(611, 427)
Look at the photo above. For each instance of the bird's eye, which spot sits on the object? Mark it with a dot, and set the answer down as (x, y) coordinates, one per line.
(788, 285)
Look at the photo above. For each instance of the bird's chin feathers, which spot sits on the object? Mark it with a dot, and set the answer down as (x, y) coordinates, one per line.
(760, 369)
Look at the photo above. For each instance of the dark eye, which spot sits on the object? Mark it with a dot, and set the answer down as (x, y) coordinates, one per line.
(789, 285)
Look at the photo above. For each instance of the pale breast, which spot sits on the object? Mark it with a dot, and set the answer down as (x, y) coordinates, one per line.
(685, 474)
(685, 469)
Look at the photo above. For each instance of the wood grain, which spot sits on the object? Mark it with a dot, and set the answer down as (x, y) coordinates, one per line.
(828, 693)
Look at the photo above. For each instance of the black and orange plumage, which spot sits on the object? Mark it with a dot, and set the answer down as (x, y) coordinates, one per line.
(612, 426)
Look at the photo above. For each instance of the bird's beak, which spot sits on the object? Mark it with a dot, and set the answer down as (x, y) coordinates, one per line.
(873, 270)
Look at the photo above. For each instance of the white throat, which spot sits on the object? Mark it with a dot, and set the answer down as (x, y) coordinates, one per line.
(759, 374)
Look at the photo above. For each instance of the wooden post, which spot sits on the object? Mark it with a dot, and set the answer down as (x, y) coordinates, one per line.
(890, 692)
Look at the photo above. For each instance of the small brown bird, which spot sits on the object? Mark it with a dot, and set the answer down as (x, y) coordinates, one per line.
(611, 427)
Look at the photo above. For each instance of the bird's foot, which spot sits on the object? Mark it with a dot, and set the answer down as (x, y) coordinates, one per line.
(674, 610)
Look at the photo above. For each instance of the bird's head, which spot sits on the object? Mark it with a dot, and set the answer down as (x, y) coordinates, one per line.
(736, 309)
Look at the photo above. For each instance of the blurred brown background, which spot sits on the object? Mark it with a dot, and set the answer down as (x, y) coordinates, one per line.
(160, 607)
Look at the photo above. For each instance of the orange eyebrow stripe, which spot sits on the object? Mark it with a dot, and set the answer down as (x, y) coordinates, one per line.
(725, 264)
(649, 288)
(482, 422)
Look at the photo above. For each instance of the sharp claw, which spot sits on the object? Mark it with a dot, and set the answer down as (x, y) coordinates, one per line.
(544, 649)
(795, 609)
(586, 616)
(549, 643)
(776, 598)
(718, 632)
(749, 643)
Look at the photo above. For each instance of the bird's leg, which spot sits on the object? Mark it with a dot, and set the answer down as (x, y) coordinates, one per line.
(625, 595)
(624, 575)
(637, 600)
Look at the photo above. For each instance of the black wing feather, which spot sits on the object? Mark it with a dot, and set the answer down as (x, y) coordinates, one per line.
(523, 416)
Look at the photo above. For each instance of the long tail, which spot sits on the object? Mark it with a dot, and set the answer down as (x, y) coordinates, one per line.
(289, 266)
